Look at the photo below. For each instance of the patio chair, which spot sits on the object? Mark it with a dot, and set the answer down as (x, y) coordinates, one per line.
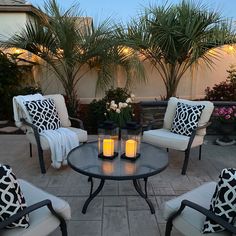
(32, 133)
(46, 213)
(188, 212)
(165, 138)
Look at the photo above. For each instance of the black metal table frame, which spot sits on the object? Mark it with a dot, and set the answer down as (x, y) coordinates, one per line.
(137, 186)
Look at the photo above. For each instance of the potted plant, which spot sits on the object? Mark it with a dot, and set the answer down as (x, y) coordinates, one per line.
(226, 117)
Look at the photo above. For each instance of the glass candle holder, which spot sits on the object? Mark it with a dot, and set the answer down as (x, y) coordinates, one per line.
(108, 133)
(130, 141)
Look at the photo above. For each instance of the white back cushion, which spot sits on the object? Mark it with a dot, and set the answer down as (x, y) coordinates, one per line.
(171, 108)
(61, 109)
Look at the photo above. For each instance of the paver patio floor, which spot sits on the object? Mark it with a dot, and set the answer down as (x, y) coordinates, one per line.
(118, 210)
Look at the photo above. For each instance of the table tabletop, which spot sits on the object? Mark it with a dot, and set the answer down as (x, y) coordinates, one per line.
(84, 159)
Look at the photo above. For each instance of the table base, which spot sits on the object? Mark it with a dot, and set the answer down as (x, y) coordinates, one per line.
(137, 186)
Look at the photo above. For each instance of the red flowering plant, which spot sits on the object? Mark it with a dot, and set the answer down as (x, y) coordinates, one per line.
(225, 114)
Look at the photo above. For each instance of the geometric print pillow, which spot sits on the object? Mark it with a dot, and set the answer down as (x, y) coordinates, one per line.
(223, 202)
(186, 118)
(11, 198)
(44, 114)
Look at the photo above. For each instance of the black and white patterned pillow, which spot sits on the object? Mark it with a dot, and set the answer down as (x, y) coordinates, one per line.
(11, 198)
(223, 202)
(44, 114)
(186, 118)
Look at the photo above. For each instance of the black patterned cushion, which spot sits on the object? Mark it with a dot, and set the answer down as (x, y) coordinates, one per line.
(11, 198)
(223, 202)
(186, 118)
(44, 114)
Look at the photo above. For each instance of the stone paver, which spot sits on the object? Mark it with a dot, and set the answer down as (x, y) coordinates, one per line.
(118, 210)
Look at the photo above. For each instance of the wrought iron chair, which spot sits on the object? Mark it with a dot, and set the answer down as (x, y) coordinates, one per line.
(31, 130)
(165, 138)
(46, 213)
(187, 213)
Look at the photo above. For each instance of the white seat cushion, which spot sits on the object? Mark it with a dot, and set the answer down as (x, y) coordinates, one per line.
(165, 138)
(42, 222)
(82, 136)
(190, 222)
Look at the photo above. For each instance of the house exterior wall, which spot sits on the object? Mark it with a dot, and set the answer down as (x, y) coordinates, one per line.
(11, 22)
(191, 86)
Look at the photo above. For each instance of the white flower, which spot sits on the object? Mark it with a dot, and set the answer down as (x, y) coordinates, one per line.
(117, 110)
(112, 102)
(105, 113)
(125, 104)
(128, 100)
(120, 105)
(113, 106)
(132, 96)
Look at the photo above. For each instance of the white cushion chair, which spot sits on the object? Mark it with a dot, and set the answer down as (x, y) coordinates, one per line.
(188, 212)
(165, 138)
(46, 213)
(32, 132)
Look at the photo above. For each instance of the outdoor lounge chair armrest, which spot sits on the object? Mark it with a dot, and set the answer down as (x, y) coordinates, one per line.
(204, 126)
(205, 212)
(29, 209)
(148, 125)
(25, 122)
(80, 122)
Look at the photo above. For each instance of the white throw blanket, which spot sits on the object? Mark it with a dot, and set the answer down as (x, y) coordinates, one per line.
(19, 107)
(61, 142)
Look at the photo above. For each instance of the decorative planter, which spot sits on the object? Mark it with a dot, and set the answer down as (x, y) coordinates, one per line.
(226, 128)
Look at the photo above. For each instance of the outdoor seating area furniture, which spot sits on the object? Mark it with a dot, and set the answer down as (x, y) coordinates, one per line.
(167, 139)
(46, 213)
(84, 160)
(188, 212)
(32, 132)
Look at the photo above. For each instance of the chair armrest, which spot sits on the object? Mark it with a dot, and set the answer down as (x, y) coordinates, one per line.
(205, 212)
(204, 126)
(25, 122)
(29, 209)
(80, 122)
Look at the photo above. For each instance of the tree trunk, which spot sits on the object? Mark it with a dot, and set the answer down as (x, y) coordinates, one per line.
(171, 85)
(72, 101)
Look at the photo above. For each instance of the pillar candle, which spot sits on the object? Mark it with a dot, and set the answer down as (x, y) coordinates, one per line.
(108, 147)
(130, 148)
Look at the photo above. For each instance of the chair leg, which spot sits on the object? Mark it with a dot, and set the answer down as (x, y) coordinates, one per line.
(30, 146)
(185, 165)
(167, 149)
(63, 227)
(41, 160)
(169, 226)
(200, 152)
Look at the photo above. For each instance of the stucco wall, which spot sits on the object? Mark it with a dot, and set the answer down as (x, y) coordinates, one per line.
(11, 23)
(191, 86)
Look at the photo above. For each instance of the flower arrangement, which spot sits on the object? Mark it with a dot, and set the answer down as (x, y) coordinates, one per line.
(225, 113)
(120, 112)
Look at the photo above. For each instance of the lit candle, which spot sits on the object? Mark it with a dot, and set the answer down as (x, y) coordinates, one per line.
(130, 148)
(108, 147)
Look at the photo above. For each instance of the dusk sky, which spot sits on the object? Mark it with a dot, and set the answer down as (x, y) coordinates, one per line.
(125, 9)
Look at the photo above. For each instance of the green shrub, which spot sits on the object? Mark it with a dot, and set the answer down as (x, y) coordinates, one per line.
(225, 90)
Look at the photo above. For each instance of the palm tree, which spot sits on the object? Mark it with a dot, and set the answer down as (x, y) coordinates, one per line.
(175, 38)
(72, 46)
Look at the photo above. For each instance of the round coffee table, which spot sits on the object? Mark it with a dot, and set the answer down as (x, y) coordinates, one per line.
(84, 159)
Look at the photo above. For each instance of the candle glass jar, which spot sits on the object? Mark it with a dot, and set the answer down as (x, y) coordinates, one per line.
(130, 141)
(108, 133)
